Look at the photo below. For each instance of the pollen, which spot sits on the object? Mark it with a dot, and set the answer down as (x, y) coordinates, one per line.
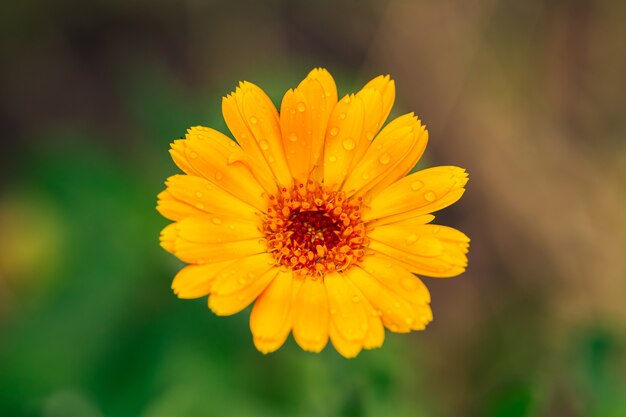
(313, 230)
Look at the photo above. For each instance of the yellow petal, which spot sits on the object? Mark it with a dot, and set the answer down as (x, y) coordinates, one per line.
(346, 307)
(396, 278)
(212, 155)
(385, 155)
(253, 120)
(430, 250)
(204, 197)
(386, 87)
(223, 302)
(405, 164)
(342, 138)
(376, 331)
(372, 113)
(321, 93)
(270, 320)
(167, 239)
(304, 115)
(195, 281)
(311, 316)
(217, 229)
(174, 209)
(211, 238)
(296, 125)
(346, 347)
(397, 314)
(242, 273)
(420, 193)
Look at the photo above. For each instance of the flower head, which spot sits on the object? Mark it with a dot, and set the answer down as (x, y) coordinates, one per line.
(311, 216)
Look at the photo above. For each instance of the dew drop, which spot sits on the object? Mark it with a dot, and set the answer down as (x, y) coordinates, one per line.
(342, 116)
(349, 144)
(193, 155)
(416, 185)
(334, 131)
(384, 158)
(408, 320)
(411, 239)
(409, 284)
(332, 158)
(366, 176)
(301, 107)
(254, 120)
(264, 145)
(369, 135)
(430, 196)
(241, 280)
(219, 175)
(293, 137)
(356, 299)
(231, 226)
(200, 206)
(271, 159)
(198, 194)
(216, 220)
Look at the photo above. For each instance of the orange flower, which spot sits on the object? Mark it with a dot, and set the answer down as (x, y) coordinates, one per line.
(311, 216)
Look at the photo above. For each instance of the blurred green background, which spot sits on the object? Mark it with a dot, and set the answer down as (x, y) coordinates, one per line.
(528, 96)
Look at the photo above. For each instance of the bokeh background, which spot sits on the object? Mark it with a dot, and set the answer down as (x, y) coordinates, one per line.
(528, 96)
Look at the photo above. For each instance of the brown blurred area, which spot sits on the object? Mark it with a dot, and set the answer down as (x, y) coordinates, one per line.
(529, 97)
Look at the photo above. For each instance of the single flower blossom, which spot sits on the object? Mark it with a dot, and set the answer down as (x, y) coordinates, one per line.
(311, 216)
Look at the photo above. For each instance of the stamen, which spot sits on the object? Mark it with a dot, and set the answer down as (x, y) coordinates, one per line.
(315, 231)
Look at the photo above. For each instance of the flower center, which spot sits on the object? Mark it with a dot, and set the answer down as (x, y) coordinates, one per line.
(313, 230)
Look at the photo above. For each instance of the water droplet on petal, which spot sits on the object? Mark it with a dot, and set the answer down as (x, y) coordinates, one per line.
(200, 206)
(332, 158)
(216, 220)
(301, 107)
(219, 175)
(254, 120)
(384, 158)
(416, 185)
(356, 299)
(334, 131)
(271, 159)
(411, 239)
(366, 176)
(293, 137)
(349, 144)
(193, 155)
(198, 194)
(264, 145)
(430, 196)
(342, 116)
(409, 283)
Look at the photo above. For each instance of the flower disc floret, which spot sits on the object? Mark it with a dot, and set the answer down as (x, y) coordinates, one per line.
(313, 230)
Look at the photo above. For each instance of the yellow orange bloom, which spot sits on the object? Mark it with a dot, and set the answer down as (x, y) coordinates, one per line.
(311, 216)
